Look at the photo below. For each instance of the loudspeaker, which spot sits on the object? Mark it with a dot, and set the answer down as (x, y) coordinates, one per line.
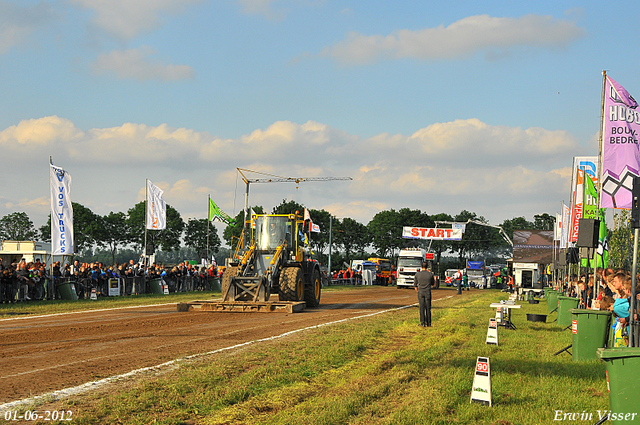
(588, 231)
(635, 203)
(149, 249)
(562, 261)
(572, 256)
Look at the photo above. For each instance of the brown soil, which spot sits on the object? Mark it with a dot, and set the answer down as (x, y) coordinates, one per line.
(43, 354)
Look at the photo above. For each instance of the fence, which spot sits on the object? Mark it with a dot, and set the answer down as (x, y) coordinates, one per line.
(51, 288)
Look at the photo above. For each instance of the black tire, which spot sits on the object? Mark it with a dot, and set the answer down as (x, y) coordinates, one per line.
(226, 282)
(313, 290)
(292, 284)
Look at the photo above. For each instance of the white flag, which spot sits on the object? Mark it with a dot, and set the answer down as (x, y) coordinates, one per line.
(156, 208)
(307, 216)
(315, 228)
(557, 234)
(61, 212)
(566, 217)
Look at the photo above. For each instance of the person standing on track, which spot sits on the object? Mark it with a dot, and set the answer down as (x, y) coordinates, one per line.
(423, 281)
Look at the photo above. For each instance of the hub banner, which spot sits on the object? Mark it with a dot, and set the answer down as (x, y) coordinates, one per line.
(620, 155)
(61, 212)
(432, 233)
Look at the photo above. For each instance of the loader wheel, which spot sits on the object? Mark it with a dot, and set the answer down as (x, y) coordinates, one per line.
(229, 273)
(292, 284)
(312, 290)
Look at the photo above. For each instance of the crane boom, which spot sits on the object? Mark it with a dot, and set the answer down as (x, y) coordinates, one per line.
(276, 179)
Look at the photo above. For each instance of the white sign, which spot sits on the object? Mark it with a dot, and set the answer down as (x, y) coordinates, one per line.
(461, 226)
(481, 391)
(525, 265)
(432, 233)
(114, 287)
(492, 332)
(61, 212)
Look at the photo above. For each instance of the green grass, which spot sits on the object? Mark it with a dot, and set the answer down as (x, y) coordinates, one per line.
(379, 370)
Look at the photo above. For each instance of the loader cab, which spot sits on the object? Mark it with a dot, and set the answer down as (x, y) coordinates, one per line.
(271, 230)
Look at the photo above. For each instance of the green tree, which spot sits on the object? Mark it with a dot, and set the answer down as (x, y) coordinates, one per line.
(543, 221)
(320, 241)
(195, 236)
(621, 241)
(113, 232)
(232, 232)
(352, 236)
(166, 240)
(385, 232)
(86, 227)
(17, 226)
(516, 223)
(288, 207)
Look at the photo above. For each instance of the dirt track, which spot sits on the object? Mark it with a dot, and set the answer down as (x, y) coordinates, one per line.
(40, 355)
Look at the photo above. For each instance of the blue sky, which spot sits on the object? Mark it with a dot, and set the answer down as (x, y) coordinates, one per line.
(440, 106)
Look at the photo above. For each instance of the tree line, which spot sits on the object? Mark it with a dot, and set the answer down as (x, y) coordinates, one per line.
(118, 230)
(381, 236)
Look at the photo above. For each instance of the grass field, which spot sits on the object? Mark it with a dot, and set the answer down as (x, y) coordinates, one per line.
(383, 369)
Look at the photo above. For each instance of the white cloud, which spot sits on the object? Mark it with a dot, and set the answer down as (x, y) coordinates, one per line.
(17, 23)
(443, 167)
(125, 19)
(493, 36)
(140, 64)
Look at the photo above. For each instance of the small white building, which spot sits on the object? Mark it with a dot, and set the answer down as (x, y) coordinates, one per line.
(14, 251)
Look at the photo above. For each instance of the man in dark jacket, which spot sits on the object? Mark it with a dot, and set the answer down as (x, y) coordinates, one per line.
(423, 282)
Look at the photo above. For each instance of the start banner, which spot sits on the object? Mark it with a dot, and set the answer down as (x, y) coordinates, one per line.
(432, 233)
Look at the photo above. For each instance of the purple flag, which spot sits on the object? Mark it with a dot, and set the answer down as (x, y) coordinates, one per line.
(620, 155)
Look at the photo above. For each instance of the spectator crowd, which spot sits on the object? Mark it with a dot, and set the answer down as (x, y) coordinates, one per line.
(24, 281)
(611, 291)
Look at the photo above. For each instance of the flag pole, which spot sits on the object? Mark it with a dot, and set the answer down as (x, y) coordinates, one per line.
(208, 222)
(146, 197)
(601, 141)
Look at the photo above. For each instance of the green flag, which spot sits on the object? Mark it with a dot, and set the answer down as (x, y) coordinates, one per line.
(590, 205)
(603, 247)
(216, 213)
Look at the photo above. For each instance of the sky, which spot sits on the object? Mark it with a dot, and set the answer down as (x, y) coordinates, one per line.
(439, 106)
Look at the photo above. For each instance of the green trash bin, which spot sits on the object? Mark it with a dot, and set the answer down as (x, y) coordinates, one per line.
(565, 304)
(67, 291)
(552, 299)
(623, 380)
(214, 284)
(156, 286)
(590, 330)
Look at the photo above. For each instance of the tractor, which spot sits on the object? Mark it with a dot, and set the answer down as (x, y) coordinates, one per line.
(275, 262)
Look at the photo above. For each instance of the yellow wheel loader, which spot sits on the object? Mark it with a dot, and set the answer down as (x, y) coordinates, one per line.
(275, 263)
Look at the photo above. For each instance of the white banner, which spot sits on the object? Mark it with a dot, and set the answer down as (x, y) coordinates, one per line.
(557, 234)
(432, 233)
(156, 208)
(566, 217)
(314, 227)
(61, 212)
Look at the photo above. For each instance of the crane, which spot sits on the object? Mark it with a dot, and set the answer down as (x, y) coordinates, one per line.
(272, 178)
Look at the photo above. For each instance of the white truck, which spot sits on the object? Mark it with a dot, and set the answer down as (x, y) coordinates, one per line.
(409, 263)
